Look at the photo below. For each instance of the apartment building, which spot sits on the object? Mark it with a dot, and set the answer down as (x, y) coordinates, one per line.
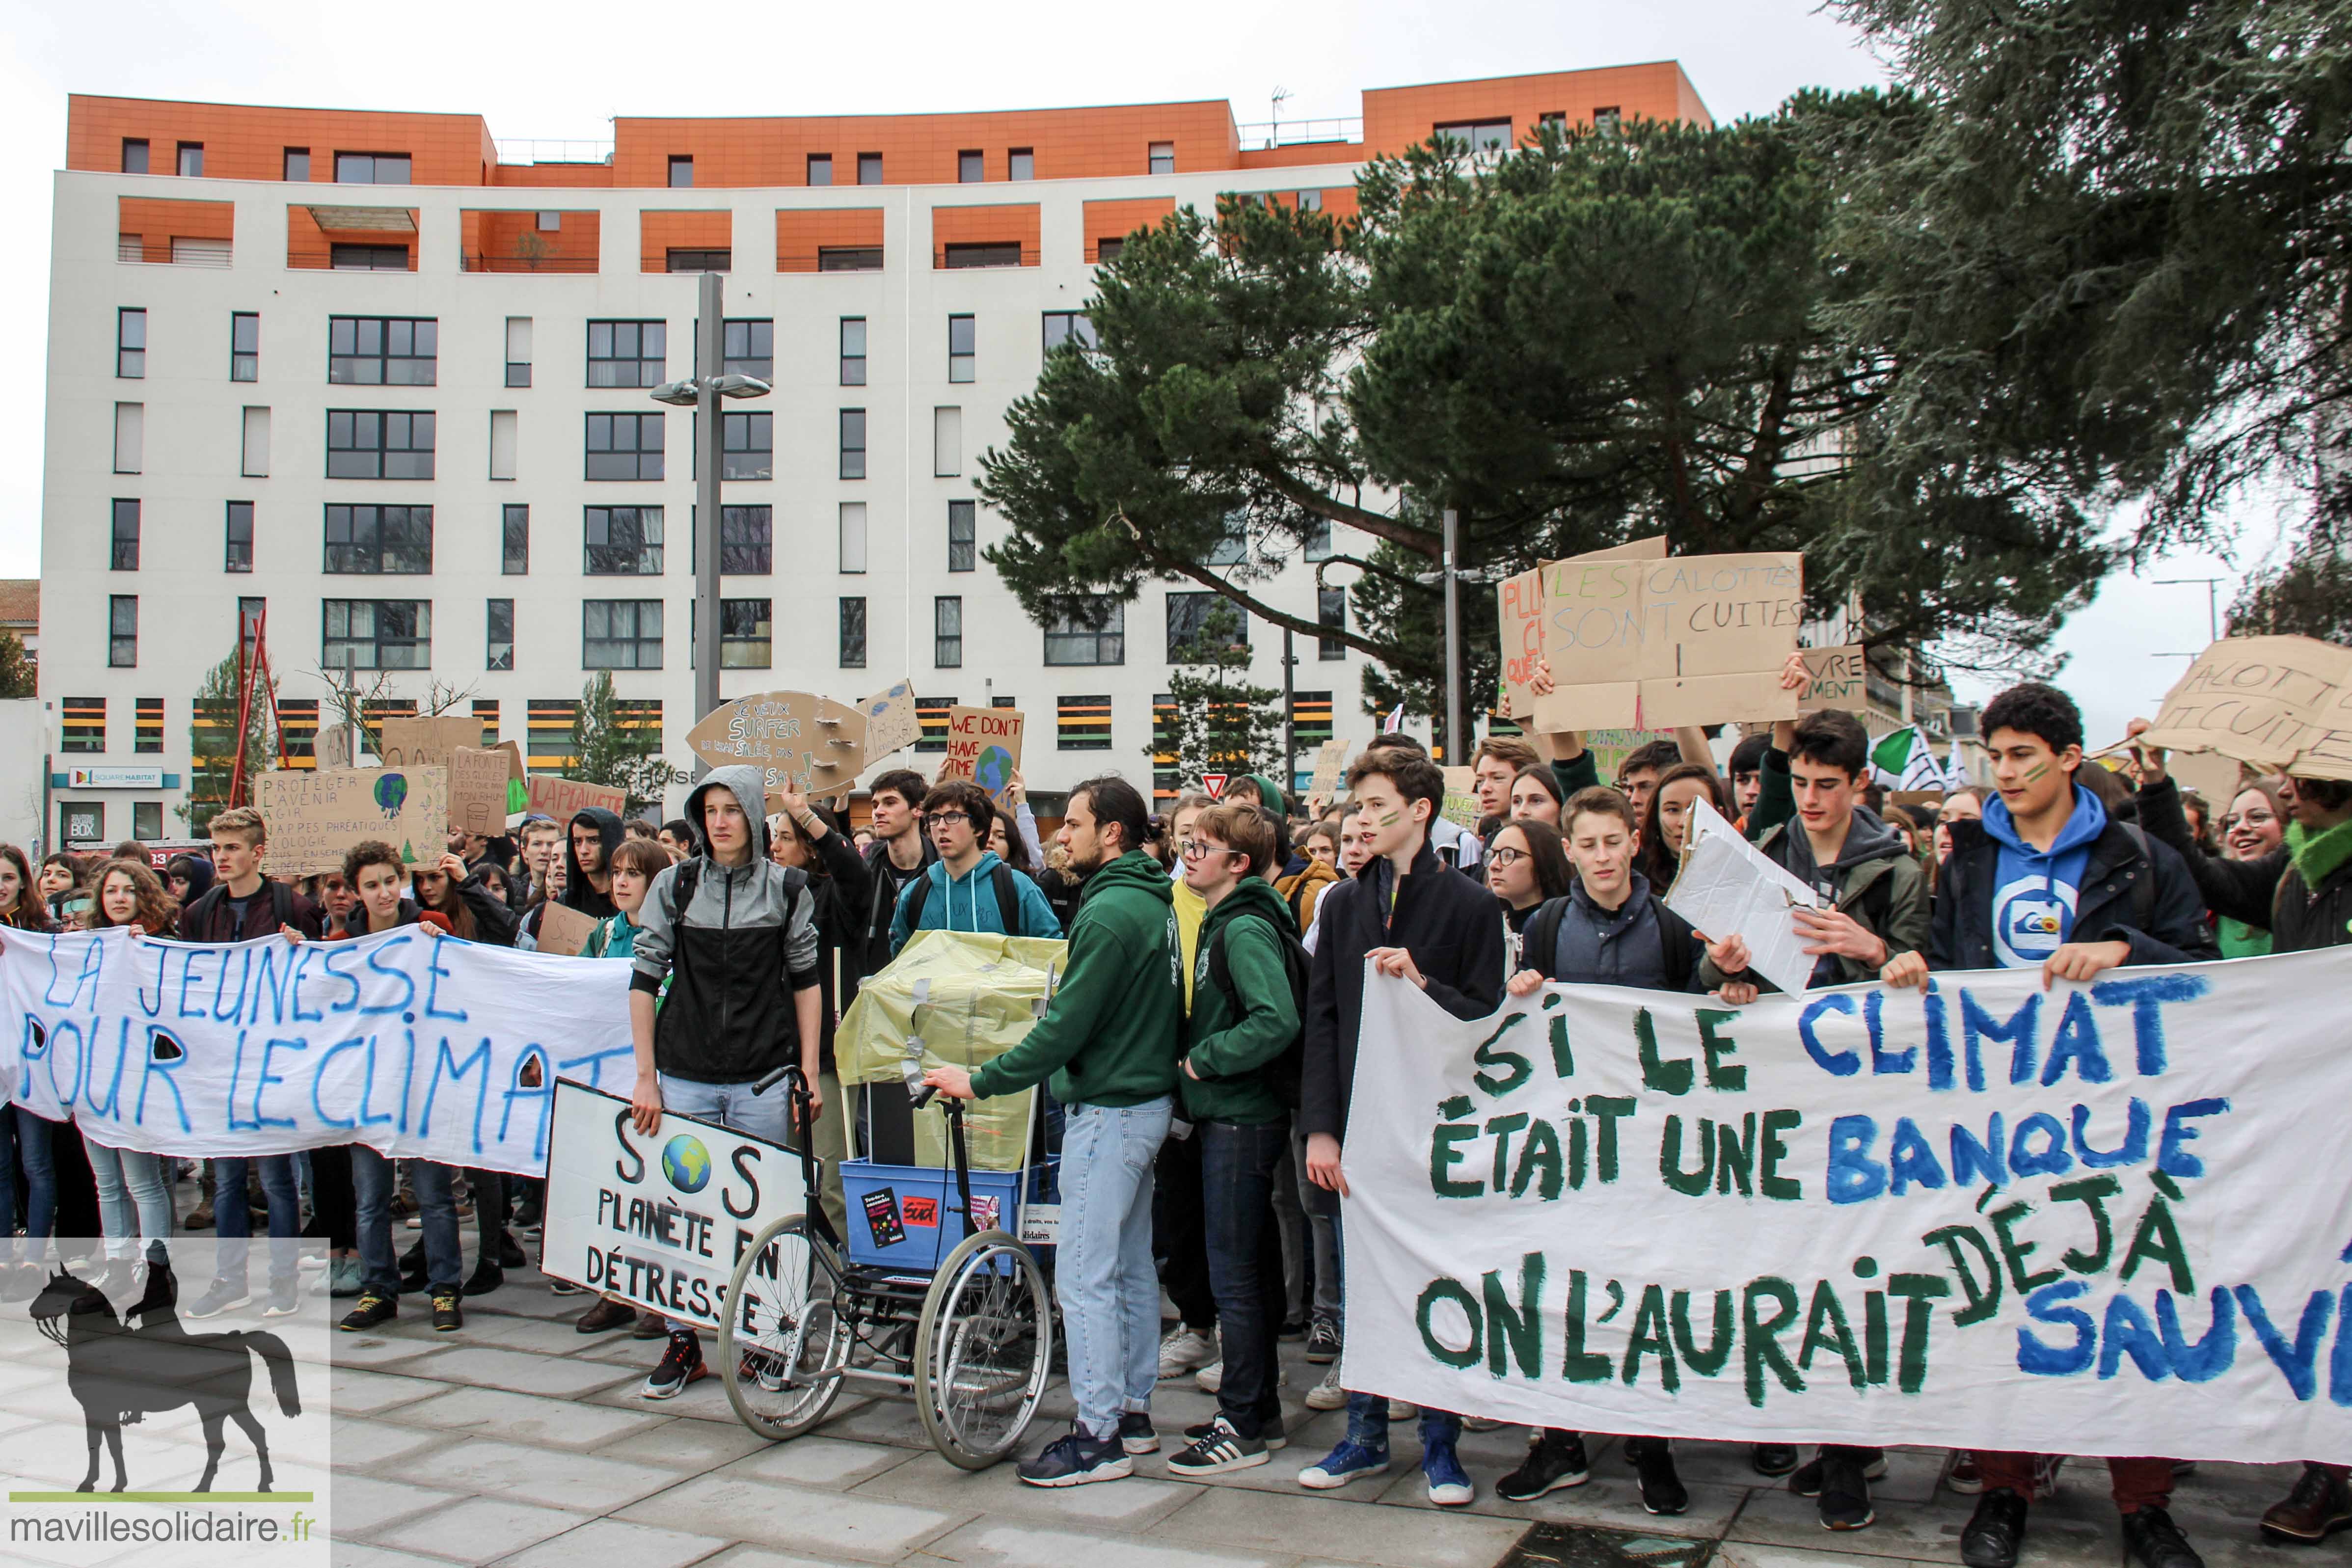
(373, 387)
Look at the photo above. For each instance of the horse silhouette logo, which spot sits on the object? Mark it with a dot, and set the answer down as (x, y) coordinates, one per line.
(117, 1373)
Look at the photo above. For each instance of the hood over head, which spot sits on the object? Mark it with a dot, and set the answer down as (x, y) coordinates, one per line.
(749, 785)
(197, 869)
(609, 833)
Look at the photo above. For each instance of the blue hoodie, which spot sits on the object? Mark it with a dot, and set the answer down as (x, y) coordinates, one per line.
(968, 902)
(2034, 892)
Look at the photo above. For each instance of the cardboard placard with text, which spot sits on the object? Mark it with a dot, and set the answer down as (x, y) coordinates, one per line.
(1837, 677)
(1461, 807)
(1330, 763)
(315, 814)
(801, 743)
(563, 799)
(1690, 639)
(1519, 601)
(517, 772)
(426, 743)
(984, 746)
(565, 931)
(2276, 702)
(478, 790)
(890, 721)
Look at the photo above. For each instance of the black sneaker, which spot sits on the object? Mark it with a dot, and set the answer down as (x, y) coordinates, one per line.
(1219, 1450)
(486, 1277)
(1555, 1459)
(1270, 1432)
(1997, 1529)
(1323, 1341)
(2154, 1542)
(447, 1316)
(1074, 1460)
(1773, 1459)
(510, 1252)
(1292, 1331)
(1136, 1433)
(1845, 1494)
(681, 1363)
(374, 1307)
(1654, 1463)
(1807, 1479)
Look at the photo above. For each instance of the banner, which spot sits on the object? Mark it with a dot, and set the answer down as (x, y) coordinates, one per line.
(659, 1221)
(413, 1043)
(2099, 1219)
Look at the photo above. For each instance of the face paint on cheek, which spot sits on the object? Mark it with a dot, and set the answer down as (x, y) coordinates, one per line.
(1392, 819)
(2037, 773)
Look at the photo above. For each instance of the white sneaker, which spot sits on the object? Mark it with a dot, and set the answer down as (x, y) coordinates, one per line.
(1403, 1410)
(1212, 1377)
(1327, 1395)
(1185, 1349)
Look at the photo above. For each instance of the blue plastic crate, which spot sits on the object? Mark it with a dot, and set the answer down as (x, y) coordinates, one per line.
(905, 1216)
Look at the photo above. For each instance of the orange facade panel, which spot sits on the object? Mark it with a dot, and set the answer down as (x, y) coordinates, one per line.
(154, 223)
(659, 233)
(959, 233)
(829, 238)
(563, 176)
(524, 241)
(1401, 117)
(1116, 220)
(245, 141)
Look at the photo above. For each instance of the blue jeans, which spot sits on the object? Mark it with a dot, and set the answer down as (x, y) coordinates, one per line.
(768, 1116)
(1238, 1166)
(26, 1136)
(1368, 1414)
(128, 1180)
(233, 1222)
(372, 1183)
(1103, 1274)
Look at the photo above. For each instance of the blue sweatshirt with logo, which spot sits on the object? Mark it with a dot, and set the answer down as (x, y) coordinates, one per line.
(2034, 891)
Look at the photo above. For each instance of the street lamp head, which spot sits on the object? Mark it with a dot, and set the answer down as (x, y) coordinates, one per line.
(741, 387)
(684, 393)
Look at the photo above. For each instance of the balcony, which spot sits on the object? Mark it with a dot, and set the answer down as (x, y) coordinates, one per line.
(537, 242)
(155, 231)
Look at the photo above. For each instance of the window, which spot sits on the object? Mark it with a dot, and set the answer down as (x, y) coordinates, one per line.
(130, 435)
(846, 259)
(947, 632)
(379, 443)
(498, 635)
(748, 446)
(624, 446)
(1319, 540)
(853, 443)
(931, 722)
(256, 463)
(1232, 548)
(1189, 616)
(820, 168)
(681, 172)
(1087, 630)
(387, 541)
(1309, 201)
(131, 344)
(1000, 255)
(147, 726)
(382, 351)
(703, 259)
(505, 435)
(378, 634)
(368, 257)
(972, 168)
(146, 820)
(192, 160)
(85, 819)
(947, 442)
(514, 540)
(297, 162)
(1608, 121)
(82, 726)
(129, 247)
(517, 350)
(1069, 327)
(869, 168)
(1476, 135)
(749, 348)
(962, 545)
(1082, 723)
(238, 553)
(1552, 120)
(747, 540)
(548, 223)
(621, 634)
(853, 633)
(1106, 250)
(746, 633)
(371, 168)
(853, 351)
(853, 536)
(122, 631)
(1332, 610)
(963, 337)
(245, 345)
(134, 155)
(122, 555)
(627, 353)
(1162, 159)
(1022, 164)
(250, 611)
(624, 542)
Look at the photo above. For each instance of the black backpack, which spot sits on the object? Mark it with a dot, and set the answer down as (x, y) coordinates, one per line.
(1286, 1070)
(1008, 901)
(1542, 936)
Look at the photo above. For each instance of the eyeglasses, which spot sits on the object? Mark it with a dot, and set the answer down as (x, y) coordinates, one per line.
(2251, 819)
(1195, 848)
(1506, 857)
(948, 818)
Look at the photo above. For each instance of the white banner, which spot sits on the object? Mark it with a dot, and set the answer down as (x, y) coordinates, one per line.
(2101, 1219)
(409, 1041)
(659, 1221)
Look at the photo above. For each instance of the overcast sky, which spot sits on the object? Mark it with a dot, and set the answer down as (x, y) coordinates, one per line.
(533, 71)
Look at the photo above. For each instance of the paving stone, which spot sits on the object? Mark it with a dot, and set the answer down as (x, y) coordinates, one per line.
(825, 1463)
(480, 1366)
(358, 1554)
(885, 1420)
(1131, 1506)
(687, 1446)
(703, 1401)
(760, 1557)
(1610, 1500)
(356, 1392)
(2067, 1529)
(867, 1529)
(543, 1336)
(999, 1543)
(377, 1349)
(522, 1418)
(1744, 1554)
(1359, 1532)
(365, 1445)
(541, 1475)
(478, 1529)
(609, 1540)
(360, 1503)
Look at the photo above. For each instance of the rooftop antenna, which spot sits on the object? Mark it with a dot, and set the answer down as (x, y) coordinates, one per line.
(1274, 129)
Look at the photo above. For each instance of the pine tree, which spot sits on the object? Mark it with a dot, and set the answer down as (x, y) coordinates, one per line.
(617, 756)
(1223, 724)
(213, 744)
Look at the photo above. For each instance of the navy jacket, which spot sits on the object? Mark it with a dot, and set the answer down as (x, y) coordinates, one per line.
(2108, 906)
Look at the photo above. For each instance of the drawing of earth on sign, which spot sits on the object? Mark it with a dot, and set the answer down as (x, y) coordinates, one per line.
(993, 769)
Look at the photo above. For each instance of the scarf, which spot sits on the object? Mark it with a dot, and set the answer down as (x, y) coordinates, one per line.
(2317, 856)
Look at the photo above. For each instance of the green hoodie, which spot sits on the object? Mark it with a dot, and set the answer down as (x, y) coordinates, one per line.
(1116, 1026)
(1232, 1049)
(1267, 790)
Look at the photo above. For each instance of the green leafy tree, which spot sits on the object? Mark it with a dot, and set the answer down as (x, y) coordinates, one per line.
(1222, 722)
(2309, 595)
(17, 670)
(616, 755)
(214, 743)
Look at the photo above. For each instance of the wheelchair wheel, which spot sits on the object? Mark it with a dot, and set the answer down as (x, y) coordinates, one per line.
(981, 1349)
(785, 1338)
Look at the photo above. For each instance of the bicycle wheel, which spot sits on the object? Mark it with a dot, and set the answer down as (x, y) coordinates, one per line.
(981, 1349)
(785, 1337)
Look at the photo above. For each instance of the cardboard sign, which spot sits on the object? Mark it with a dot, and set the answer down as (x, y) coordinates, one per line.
(806, 745)
(426, 743)
(315, 814)
(1520, 602)
(565, 931)
(331, 747)
(563, 799)
(517, 772)
(890, 721)
(984, 746)
(1657, 644)
(1461, 807)
(2276, 702)
(1330, 762)
(1838, 679)
(478, 790)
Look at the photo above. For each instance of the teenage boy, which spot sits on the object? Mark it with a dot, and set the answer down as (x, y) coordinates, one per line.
(244, 904)
(1454, 845)
(900, 852)
(734, 935)
(2048, 880)
(1443, 934)
(1747, 770)
(966, 888)
(1244, 1023)
(636, 864)
(1108, 1041)
(1495, 764)
(589, 842)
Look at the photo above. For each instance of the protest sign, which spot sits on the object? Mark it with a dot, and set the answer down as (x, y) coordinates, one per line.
(1726, 886)
(2276, 702)
(1461, 807)
(478, 790)
(659, 1221)
(516, 771)
(415, 1044)
(1835, 678)
(984, 746)
(809, 745)
(1330, 762)
(890, 721)
(427, 743)
(563, 799)
(1519, 601)
(315, 814)
(1987, 1216)
(565, 931)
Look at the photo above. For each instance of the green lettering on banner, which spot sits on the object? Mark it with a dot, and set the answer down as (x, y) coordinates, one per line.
(1520, 1329)
(1709, 1361)
(1501, 1128)
(1735, 1156)
(1650, 1337)
(1539, 1161)
(1444, 1155)
(1563, 1061)
(1768, 1180)
(1576, 1363)
(2013, 1251)
(2091, 1191)
(1666, 1077)
(1516, 1068)
(1693, 1183)
(1918, 1291)
(1715, 1048)
(1983, 1299)
(1454, 1290)
(1826, 1329)
(2157, 1240)
(1608, 1108)
(1759, 1345)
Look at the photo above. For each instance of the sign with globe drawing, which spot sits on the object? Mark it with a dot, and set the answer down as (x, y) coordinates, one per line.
(984, 746)
(658, 1221)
